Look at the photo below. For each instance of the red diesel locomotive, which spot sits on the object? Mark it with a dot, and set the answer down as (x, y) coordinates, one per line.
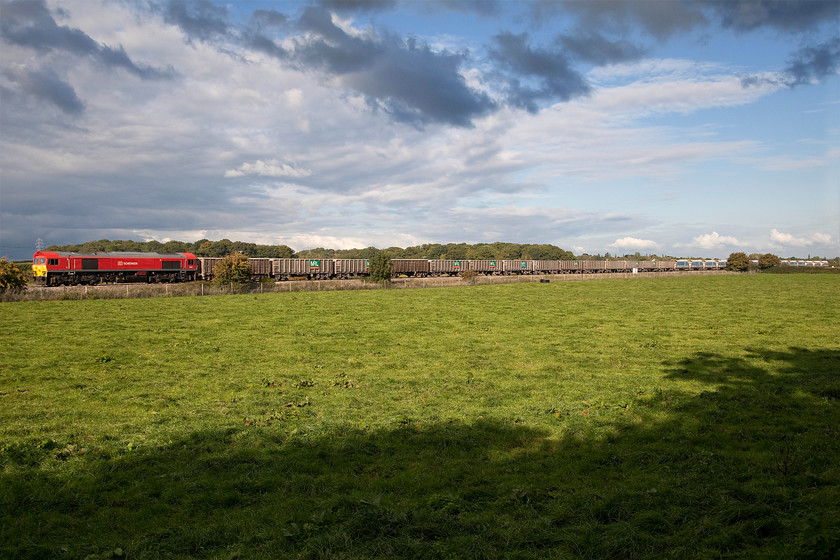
(56, 268)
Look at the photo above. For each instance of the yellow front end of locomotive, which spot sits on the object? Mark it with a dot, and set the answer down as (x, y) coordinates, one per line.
(39, 271)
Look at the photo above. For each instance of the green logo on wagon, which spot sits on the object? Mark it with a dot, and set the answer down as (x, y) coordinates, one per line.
(492, 264)
(314, 263)
(456, 264)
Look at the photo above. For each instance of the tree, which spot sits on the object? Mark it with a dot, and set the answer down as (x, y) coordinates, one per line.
(380, 267)
(768, 260)
(12, 279)
(234, 268)
(738, 262)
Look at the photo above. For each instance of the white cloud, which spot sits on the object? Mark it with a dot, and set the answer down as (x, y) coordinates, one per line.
(713, 241)
(779, 238)
(270, 168)
(671, 86)
(634, 243)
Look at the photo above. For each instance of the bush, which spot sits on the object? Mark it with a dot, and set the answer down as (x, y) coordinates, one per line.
(234, 268)
(468, 275)
(738, 262)
(12, 279)
(768, 260)
(380, 267)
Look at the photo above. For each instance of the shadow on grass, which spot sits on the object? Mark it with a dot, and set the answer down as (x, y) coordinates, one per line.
(748, 468)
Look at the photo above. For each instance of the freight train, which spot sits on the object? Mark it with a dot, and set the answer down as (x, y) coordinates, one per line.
(55, 268)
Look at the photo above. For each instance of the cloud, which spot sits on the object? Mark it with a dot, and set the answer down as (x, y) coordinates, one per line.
(660, 19)
(45, 85)
(782, 15)
(269, 18)
(405, 79)
(358, 5)
(595, 48)
(549, 70)
(788, 240)
(270, 168)
(663, 19)
(811, 64)
(29, 24)
(199, 19)
(626, 243)
(713, 241)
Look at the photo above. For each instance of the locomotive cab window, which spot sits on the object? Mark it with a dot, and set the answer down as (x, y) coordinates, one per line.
(51, 262)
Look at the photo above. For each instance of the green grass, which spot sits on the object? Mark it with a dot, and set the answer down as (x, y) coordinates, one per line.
(675, 417)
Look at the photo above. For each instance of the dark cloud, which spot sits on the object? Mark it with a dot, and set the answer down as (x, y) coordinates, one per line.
(805, 66)
(783, 15)
(409, 81)
(549, 71)
(660, 19)
(199, 19)
(358, 5)
(594, 48)
(813, 63)
(44, 85)
(269, 18)
(30, 24)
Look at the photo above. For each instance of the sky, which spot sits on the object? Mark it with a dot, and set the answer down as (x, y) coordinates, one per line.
(684, 128)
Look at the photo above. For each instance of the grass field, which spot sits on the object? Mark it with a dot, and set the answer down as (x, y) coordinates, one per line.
(675, 417)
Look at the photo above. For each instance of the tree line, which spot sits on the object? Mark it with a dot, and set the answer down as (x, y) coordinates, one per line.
(453, 251)
(207, 248)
